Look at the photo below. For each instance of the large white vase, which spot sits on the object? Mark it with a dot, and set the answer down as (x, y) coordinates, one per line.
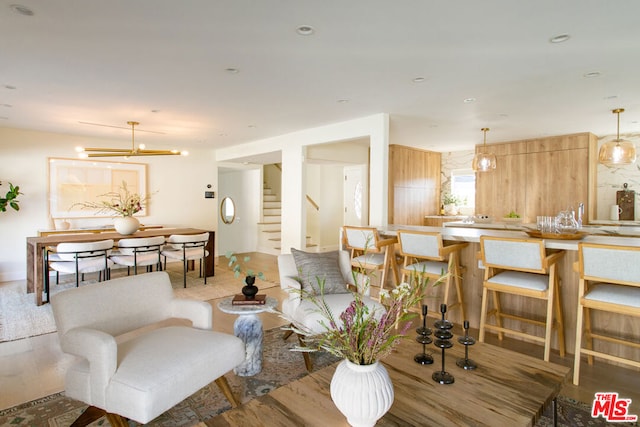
(363, 393)
(126, 225)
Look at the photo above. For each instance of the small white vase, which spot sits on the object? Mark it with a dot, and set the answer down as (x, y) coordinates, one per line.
(126, 225)
(363, 393)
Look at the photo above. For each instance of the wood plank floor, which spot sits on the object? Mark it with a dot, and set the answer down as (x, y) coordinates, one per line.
(34, 367)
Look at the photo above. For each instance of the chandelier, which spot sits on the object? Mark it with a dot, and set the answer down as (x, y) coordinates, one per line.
(482, 161)
(126, 152)
(617, 152)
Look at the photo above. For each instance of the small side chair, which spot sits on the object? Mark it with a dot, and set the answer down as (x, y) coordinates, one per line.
(425, 255)
(185, 248)
(521, 268)
(609, 283)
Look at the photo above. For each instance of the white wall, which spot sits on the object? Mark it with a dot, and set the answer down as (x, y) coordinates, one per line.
(325, 187)
(243, 186)
(180, 183)
(293, 148)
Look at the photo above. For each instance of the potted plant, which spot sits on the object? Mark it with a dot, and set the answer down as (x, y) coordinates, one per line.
(123, 203)
(362, 336)
(450, 204)
(250, 289)
(10, 199)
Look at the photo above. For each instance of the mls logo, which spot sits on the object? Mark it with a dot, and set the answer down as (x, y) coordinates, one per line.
(612, 409)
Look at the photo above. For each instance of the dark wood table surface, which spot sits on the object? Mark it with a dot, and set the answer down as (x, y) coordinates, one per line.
(507, 389)
(37, 245)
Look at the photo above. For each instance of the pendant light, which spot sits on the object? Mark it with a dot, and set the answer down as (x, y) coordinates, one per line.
(617, 152)
(126, 152)
(483, 161)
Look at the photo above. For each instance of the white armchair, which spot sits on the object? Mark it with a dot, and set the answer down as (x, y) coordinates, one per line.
(143, 374)
(304, 312)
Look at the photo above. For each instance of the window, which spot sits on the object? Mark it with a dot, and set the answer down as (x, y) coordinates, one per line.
(463, 186)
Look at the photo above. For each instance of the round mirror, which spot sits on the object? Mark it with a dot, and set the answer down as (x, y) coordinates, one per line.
(227, 210)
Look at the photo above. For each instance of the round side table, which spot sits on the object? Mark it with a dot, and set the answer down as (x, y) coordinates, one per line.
(248, 327)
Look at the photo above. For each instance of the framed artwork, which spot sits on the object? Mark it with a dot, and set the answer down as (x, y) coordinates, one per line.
(73, 181)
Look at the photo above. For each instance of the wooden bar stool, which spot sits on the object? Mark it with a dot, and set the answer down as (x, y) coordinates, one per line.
(609, 282)
(370, 252)
(521, 267)
(425, 255)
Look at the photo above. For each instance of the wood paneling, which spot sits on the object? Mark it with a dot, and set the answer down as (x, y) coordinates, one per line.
(414, 184)
(536, 177)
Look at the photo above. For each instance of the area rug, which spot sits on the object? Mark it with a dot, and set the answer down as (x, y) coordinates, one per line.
(572, 413)
(280, 366)
(21, 318)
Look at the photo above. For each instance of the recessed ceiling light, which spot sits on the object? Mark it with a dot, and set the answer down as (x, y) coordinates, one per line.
(155, 111)
(305, 30)
(22, 10)
(232, 70)
(469, 100)
(222, 134)
(7, 105)
(592, 74)
(251, 126)
(560, 38)
(610, 97)
(4, 118)
(419, 80)
(9, 87)
(342, 101)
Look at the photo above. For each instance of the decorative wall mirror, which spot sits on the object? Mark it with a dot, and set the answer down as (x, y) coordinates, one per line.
(227, 210)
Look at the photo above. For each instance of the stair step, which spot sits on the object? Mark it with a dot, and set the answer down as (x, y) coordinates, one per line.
(309, 246)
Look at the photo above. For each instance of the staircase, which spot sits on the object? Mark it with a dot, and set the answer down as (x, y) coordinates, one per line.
(271, 226)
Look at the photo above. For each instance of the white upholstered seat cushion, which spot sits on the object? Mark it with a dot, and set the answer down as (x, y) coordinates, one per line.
(536, 282)
(189, 254)
(307, 313)
(85, 265)
(141, 259)
(428, 267)
(615, 294)
(148, 380)
(368, 259)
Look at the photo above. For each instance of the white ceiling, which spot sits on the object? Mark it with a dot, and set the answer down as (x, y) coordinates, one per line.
(108, 62)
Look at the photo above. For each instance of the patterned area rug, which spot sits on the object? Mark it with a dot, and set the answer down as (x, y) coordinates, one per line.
(21, 318)
(572, 413)
(280, 366)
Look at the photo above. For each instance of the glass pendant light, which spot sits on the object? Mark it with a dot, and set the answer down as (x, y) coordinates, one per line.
(617, 152)
(482, 161)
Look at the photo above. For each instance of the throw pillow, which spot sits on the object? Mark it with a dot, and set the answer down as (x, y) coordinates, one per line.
(319, 266)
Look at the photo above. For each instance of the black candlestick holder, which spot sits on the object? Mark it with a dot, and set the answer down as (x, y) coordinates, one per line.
(466, 341)
(424, 339)
(443, 340)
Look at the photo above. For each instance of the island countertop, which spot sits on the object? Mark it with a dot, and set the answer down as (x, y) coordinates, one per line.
(472, 232)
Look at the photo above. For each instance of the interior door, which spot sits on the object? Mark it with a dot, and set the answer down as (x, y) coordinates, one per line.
(356, 195)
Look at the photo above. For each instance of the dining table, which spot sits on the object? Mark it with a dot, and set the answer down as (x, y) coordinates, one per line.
(36, 247)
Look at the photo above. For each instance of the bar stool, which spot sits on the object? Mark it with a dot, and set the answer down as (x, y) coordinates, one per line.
(185, 248)
(609, 282)
(425, 255)
(142, 251)
(370, 252)
(521, 267)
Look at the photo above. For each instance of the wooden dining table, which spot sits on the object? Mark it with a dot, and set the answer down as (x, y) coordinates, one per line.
(36, 247)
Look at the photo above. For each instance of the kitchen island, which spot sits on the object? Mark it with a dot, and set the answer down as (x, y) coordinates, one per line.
(473, 278)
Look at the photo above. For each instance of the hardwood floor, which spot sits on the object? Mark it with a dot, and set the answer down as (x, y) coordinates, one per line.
(34, 367)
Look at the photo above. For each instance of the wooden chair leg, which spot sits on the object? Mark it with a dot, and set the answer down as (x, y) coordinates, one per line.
(578, 348)
(223, 384)
(305, 355)
(89, 415)
(559, 320)
(587, 333)
(483, 314)
(498, 313)
(287, 334)
(117, 420)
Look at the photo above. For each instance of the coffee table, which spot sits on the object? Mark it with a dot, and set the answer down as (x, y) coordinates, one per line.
(507, 389)
(248, 327)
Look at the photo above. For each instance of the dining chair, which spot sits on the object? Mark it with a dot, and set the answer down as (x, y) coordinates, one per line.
(609, 283)
(185, 248)
(370, 252)
(79, 258)
(522, 268)
(142, 251)
(425, 255)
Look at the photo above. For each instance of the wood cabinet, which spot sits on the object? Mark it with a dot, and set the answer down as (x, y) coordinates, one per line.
(414, 184)
(536, 177)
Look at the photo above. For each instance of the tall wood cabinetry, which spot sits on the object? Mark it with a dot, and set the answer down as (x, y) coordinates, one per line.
(536, 177)
(414, 184)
